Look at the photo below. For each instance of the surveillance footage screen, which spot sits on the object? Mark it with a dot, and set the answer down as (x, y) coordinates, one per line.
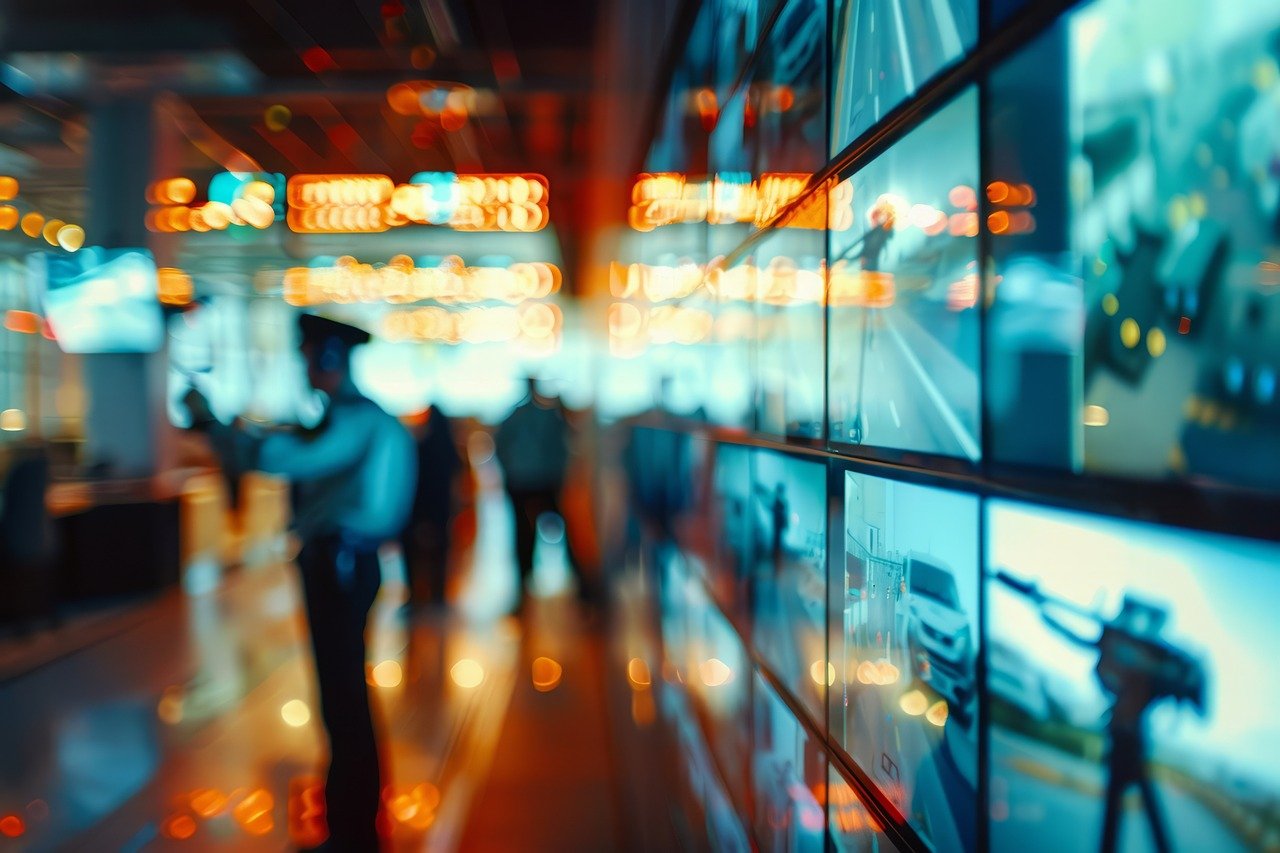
(904, 644)
(903, 295)
(789, 333)
(787, 768)
(1130, 675)
(1160, 240)
(885, 50)
(789, 91)
(789, 514)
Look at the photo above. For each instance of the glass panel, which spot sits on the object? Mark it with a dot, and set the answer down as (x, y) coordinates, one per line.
(790, 280)
(789, 509)
(902, 290)
(731, 525)
(853, 828)
(1129, 697)
(884, 50)
(788, 92)
(789, 772)
(1154, 227)
(904, 642)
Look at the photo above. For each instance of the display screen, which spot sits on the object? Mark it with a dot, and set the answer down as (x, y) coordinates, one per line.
(788, 92)
(1129, 673)
(904, 647)
(884, 50)
(101, 300)
(1136, 222)
(789, 771)
(789, 512)
(789, 333)
(903, 295)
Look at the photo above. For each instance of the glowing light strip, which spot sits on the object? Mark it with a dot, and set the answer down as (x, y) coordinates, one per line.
(668, 198)
(400, 282)
(352, 204)
(538, 324)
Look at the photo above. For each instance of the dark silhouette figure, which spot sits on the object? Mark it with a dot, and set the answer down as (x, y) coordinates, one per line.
(532, 446)
(1137, 669)
(27, 546)
(779, 510)
(426, 540)
(353, 488)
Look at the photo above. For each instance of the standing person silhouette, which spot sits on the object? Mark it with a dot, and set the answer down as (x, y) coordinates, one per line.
(353, 478)
(1136, 669)
(532, 446)
(426, 540)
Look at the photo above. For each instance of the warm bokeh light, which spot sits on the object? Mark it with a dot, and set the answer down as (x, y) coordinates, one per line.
(1096, 416)
(32, 224)
(1130, 332)
(208, 802)
(822, 673)
(913, 702)
(386, 674)
(414, 806)
(467, 673)
(22, 322)
(71, 237)
(13, 420)
(276, 117)
(174, 286)
(8, 217)
(638, 673)
(937, 713)
(170, 707)
(295, 713)
(254, 812)
(178, 827)
(8, 187)
(546, 674)
(306, 811)
(12, 826)
(714, 672)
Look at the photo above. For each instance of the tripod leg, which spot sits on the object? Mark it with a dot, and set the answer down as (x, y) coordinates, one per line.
(1115, 808)
(1155, 816)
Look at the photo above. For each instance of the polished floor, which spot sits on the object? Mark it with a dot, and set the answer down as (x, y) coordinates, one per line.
(190, 724)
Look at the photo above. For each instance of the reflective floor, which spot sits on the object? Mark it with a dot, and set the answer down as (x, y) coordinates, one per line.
(191, 724)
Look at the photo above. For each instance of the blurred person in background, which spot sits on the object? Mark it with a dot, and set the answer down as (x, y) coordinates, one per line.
(28, 577)
(353, 477)
(426, 540)
(532, 446)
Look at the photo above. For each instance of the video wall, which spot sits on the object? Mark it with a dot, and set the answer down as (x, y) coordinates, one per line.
(969, 541)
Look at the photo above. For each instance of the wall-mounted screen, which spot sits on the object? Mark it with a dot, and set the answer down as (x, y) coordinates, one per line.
(1135, 214)
(904, 648)
(101, 300)
(1131, 698)
(884, 50)
(903, 294)
(789, 524)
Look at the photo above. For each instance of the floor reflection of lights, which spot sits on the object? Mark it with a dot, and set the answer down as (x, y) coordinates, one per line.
(197, 728)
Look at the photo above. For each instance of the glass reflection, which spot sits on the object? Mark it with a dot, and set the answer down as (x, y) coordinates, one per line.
(789, 774)
(789, 329)
(903, 292)
(788, 509)
(884, 50)
(1154, 221)
(854, 829)
(904, 651)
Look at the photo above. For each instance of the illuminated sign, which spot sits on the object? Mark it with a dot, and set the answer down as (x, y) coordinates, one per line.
(248, 199)
(352, 204)
(536, 323)
(668, 198)
(400, 282)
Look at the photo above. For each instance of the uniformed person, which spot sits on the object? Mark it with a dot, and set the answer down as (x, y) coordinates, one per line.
(353, 479)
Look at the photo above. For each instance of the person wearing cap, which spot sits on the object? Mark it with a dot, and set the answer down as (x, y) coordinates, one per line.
(353, 479)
